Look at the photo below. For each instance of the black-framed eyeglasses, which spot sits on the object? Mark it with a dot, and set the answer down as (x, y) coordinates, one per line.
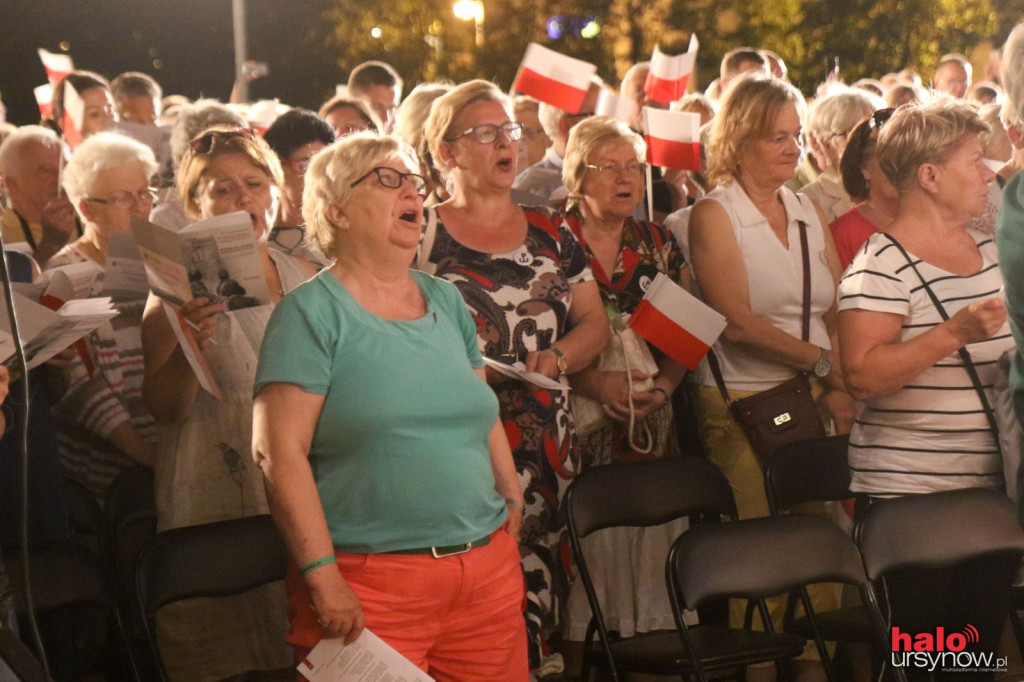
(392, 179)
(880, 118)
(487, 133)
(128, 200)
(611, 168)
(204, 143)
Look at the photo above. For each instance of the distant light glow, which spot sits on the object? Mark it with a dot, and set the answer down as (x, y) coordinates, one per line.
(158, 63)
(591, 29)
(469, 10)
(376, 32)
(557, 27)
(64, 45)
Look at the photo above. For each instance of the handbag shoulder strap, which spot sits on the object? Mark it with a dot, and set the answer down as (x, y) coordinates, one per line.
(965, 354)
(805, 256)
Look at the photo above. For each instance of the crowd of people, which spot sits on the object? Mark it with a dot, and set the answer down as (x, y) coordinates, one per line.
(412, 247)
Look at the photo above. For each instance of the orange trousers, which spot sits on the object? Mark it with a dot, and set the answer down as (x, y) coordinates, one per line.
(459, 618)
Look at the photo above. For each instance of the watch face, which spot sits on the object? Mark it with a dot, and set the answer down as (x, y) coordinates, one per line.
(822, 368)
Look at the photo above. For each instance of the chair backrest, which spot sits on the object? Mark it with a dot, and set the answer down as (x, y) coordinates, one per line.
(131, 519)
(219, 559)
(646, 493)
(210, 560)
(757, 558)
(937, 529)
(131, 496)
(808, 471)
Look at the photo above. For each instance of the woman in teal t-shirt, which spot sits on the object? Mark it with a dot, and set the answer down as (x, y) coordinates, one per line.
(386, 467)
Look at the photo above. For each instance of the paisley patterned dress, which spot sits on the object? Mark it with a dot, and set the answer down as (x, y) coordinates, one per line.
(520, 302)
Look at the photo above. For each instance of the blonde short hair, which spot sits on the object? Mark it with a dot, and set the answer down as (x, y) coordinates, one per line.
(101, 152)
(585, 138)
(919, 134)
(747, 113)
(446, 107)
(331, 174)
(194, 164)
(412, 115)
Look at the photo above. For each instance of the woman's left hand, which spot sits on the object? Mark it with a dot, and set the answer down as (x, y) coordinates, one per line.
(644, 402)
(842, 408)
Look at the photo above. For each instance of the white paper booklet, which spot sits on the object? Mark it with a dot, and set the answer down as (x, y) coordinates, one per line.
(81, 278)
(368, 659)
(125, 276)
(217, 258)
(45, 332)
(518, 371)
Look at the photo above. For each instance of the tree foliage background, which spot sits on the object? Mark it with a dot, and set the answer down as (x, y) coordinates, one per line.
(424, 40)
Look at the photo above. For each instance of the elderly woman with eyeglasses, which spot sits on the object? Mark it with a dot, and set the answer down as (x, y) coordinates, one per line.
(296, 136)
(530, 290)
(204, 469)
(386, 467)
(103, 425)
(830, 120)
(604, 175)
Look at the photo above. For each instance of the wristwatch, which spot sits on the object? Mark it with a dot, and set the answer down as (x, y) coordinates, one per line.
(563, 364)
(823, 367)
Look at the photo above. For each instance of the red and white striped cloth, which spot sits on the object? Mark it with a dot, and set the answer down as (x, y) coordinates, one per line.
(551, 77)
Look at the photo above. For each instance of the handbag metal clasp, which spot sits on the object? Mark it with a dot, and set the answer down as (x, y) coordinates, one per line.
(782, 419)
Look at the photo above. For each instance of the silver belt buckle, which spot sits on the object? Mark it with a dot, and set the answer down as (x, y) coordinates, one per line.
(438, 555)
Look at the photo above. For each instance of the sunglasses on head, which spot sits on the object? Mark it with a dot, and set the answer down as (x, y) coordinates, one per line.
(880, 118)
(204, 143)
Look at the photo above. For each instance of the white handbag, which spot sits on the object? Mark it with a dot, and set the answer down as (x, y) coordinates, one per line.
(626, 352)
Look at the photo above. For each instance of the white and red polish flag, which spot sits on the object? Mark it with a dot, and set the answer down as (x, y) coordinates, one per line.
(74, 116)
(673, 138)
(669, 77)
(44, 98)
(57, 65)
(551, 77)
(676, 322)
(610, 104)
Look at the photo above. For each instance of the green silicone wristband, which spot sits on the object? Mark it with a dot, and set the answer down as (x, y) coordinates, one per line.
(312, 565)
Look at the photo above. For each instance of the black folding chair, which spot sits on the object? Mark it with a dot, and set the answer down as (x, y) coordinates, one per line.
(73, 573)
(938, 530)
(647, 493)
(816, 471)
(754, 559)
(130, 513)
(210, 560)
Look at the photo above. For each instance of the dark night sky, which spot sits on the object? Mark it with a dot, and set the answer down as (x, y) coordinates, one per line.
(193, 39)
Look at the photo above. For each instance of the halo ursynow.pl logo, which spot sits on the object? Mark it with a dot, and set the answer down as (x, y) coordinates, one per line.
(942, 651)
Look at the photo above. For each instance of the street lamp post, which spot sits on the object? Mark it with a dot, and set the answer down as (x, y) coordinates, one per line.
(472, 9)
(238, 20)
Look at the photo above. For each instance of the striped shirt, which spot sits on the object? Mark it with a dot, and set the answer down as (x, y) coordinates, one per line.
(932, 434)
(93, 406)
